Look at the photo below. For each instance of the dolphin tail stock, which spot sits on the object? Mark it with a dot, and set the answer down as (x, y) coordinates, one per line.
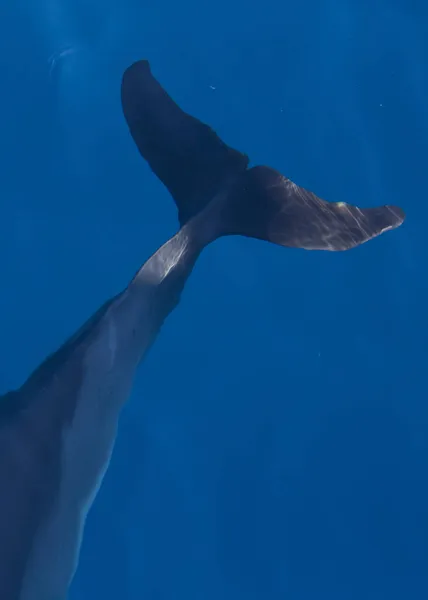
(196, 165)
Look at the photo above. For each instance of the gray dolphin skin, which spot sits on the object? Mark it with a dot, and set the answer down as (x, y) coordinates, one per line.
(58, 429)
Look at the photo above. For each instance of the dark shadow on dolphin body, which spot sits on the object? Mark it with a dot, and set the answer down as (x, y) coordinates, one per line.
(57, 430)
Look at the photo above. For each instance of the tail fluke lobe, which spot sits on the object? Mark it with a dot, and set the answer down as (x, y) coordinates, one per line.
(187, 155)
(265, 205)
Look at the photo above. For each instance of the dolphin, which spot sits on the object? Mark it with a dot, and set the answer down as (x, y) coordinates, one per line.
(57, 431)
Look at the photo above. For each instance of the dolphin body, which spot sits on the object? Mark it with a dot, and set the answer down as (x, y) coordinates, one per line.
(58, 429)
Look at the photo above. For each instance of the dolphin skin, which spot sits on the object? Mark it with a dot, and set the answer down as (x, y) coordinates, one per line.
(58, 429)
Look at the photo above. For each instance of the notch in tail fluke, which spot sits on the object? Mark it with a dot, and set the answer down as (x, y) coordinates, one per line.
(195, 165)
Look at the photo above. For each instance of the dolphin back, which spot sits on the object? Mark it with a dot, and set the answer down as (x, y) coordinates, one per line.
(29, 472)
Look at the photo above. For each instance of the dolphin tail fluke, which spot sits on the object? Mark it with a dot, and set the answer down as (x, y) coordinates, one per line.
(267, 206)
(195, 164)
(187, 155)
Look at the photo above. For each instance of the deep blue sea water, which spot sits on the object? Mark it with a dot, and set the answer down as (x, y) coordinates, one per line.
(276, 442)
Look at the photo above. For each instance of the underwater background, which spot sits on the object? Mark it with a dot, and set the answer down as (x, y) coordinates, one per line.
(276, 442)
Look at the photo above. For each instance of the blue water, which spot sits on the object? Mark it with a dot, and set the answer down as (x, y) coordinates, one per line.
(276, 443)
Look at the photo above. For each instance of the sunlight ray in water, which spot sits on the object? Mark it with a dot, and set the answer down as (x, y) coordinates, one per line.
(59, 56)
